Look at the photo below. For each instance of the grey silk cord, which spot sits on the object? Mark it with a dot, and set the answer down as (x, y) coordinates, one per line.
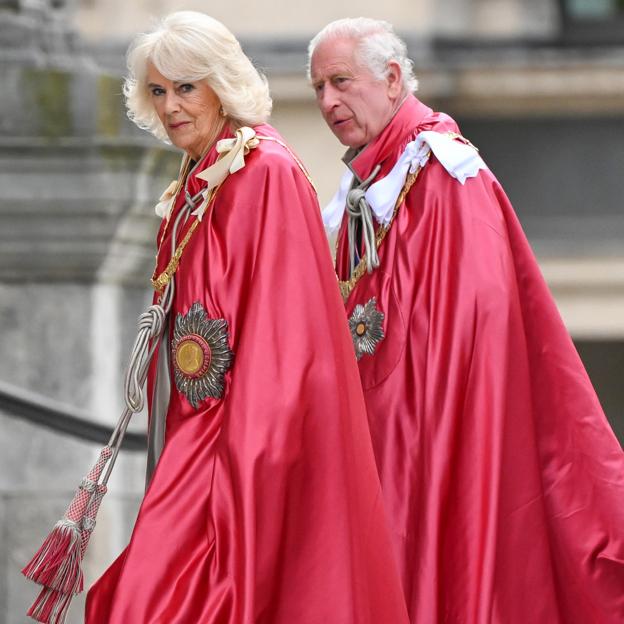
(358, 209)
(151, 325)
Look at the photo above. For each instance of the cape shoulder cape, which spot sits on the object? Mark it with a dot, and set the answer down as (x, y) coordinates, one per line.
(265, 506)
(502, 478)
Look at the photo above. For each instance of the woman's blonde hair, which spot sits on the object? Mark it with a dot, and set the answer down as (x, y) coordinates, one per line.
(188, 46)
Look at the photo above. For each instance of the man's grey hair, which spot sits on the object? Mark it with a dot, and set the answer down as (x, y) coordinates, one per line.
(377, 45)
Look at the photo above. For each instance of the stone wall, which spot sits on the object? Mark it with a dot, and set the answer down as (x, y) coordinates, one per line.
(78, 183)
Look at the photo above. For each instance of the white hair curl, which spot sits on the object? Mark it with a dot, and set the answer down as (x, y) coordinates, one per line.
(189, 46)
(377, 45)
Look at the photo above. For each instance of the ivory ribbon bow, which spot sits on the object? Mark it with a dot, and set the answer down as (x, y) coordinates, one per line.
(165, 202)
(232, 159)
(462, 161)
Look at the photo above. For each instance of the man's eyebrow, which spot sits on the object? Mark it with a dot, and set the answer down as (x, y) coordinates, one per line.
(338, 73)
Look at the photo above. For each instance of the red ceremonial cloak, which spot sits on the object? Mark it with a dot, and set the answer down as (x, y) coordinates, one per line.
(265, 506)
(502, 478)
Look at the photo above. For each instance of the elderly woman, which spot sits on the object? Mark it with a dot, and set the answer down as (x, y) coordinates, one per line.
(263, 503)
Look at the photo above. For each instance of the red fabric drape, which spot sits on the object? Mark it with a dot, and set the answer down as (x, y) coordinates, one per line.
(265, 506)
(501, 476)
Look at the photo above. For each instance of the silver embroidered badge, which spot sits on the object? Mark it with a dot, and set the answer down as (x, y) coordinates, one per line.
(366, 329)
(201, 354)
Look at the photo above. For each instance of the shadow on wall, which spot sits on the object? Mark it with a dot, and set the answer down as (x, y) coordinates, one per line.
(604, 362)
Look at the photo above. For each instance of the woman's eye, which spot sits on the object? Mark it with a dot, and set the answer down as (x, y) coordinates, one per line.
(186, 87)
(157, 91)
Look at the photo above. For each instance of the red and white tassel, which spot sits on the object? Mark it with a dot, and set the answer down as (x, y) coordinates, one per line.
(56, 564)
(50, 607)
(56, 560)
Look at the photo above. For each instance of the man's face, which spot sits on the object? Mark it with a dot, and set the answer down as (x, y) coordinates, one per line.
(354, 103)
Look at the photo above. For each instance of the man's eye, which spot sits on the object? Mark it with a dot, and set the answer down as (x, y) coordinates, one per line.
(340, 81)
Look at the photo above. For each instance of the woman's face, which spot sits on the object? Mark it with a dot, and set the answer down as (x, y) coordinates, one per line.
(189, 112)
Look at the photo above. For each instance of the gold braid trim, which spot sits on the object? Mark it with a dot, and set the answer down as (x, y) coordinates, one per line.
(160, 283)
(347, 286)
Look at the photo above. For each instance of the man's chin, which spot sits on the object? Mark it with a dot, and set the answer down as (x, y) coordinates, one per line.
(348, 139)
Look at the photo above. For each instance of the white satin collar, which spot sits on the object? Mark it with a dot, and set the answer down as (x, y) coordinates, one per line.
(461, 160)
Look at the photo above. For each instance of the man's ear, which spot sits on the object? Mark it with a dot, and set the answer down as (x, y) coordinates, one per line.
(394, 79)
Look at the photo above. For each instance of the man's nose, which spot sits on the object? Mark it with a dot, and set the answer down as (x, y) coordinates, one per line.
(327, 99)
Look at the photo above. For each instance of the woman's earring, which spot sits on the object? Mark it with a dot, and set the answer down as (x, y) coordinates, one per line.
(222, 112)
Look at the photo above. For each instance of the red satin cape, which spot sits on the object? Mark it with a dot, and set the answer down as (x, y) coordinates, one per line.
(265, 506)
(502, 478)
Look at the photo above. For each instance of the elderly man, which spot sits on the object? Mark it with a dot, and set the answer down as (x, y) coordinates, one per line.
(502, 480)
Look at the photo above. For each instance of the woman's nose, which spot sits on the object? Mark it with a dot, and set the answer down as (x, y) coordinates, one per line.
(172, 102)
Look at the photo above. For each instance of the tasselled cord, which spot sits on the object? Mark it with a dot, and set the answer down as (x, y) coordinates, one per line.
(359, 209)
(151, 325)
